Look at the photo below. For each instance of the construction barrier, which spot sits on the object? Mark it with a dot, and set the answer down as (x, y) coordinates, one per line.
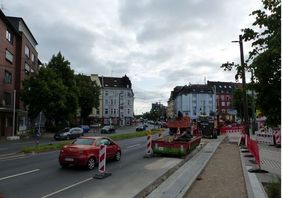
(264, 138)
(234, 134)
(253, 149)
(276, 136)
(149, 144)
(102, 158)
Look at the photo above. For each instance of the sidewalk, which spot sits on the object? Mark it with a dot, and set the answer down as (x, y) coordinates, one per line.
(219, 169)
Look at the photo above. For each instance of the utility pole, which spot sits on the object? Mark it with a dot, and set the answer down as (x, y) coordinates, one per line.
(245, 103)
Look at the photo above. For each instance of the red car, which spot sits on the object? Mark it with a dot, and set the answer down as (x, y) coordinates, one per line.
(84, 152)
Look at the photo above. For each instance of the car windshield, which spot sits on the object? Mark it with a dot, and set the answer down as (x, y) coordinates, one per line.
(83, 141)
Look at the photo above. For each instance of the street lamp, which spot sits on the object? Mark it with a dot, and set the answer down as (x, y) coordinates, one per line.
(245, 107)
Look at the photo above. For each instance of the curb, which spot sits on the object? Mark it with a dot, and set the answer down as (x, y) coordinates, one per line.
(151, 187)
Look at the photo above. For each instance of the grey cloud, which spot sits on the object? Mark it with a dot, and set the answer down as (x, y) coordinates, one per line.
(159, 19)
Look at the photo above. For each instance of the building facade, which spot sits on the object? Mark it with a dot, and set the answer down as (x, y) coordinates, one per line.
(195, 100)
(116, 100)
(224, 96)
(18, 61)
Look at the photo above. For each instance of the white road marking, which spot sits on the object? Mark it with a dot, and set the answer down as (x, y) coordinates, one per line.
(19, 174)
(5, 154)
(68, 187)
(132, 146)
(7, 157)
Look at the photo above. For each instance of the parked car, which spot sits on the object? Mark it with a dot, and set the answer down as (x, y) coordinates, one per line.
(69, 133)
(108, 129)
(141, 127)
(84, 152)
(85, 128)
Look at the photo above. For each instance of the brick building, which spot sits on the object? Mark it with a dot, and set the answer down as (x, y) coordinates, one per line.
(18, 60)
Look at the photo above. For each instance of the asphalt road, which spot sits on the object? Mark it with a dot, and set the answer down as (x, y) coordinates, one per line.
(40, 175)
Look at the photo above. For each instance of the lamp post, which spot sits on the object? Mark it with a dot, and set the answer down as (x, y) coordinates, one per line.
(245, 107)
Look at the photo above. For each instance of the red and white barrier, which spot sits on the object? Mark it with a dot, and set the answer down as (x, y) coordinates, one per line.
(277, 136)
(234, 134)
(149, 150)
(264, 138)
(102, 163)
(102, 158)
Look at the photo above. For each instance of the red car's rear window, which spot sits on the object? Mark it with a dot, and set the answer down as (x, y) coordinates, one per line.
(83, 141)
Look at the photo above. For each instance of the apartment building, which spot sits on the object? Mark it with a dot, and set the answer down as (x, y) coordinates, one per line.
(116, 100)
(18, 61)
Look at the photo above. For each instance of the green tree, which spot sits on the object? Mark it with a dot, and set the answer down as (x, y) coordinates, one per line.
(238, 103)
(88, 95)
(44, 92)
(265, 59)
(53, 90)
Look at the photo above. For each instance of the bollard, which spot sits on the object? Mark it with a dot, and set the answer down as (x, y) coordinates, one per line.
(149, 151)
(102, 163)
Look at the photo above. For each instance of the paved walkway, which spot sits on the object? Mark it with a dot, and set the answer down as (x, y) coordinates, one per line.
(223, 175)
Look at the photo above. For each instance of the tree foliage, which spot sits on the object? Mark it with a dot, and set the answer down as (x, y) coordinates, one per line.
(53, 90)
(265, 59)
(88, 96)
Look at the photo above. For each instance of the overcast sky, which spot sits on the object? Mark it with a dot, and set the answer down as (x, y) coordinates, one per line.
(158, 44)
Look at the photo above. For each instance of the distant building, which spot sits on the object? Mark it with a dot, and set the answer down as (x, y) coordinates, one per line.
(224, 95)
(116, 100)
(18, 61)
(193, 100)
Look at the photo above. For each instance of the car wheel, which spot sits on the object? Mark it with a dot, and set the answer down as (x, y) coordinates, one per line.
(63, 165)
(91, 163)
(118, 156)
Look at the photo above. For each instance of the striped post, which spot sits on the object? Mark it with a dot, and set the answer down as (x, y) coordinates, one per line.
(102, 163)
(149, 150)
(102, 158)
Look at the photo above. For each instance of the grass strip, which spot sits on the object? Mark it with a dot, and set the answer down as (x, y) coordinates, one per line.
(56, 146)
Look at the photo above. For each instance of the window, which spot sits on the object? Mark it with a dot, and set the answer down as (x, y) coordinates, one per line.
(32, 57)
(106, 101)
(106, 111)
(222, 104)
(8, 77)
(26, 51)
(111, 111)
(9, 56)
(9, 36)
(222, 97)
(128, 111)
(115, 111)
(26, 68)
(106, 93)
(128, 102)
(7, 99)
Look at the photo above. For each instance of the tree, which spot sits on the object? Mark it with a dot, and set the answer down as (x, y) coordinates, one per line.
(88, 96)
(53, 90)
(238, 103)
(44, 92)
(265, 59)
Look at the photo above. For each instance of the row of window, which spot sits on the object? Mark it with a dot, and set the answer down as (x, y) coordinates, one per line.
(28, 54)
(114, 111)
(223, 104)
(114, 102)
(121, 94)
(9, 55)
